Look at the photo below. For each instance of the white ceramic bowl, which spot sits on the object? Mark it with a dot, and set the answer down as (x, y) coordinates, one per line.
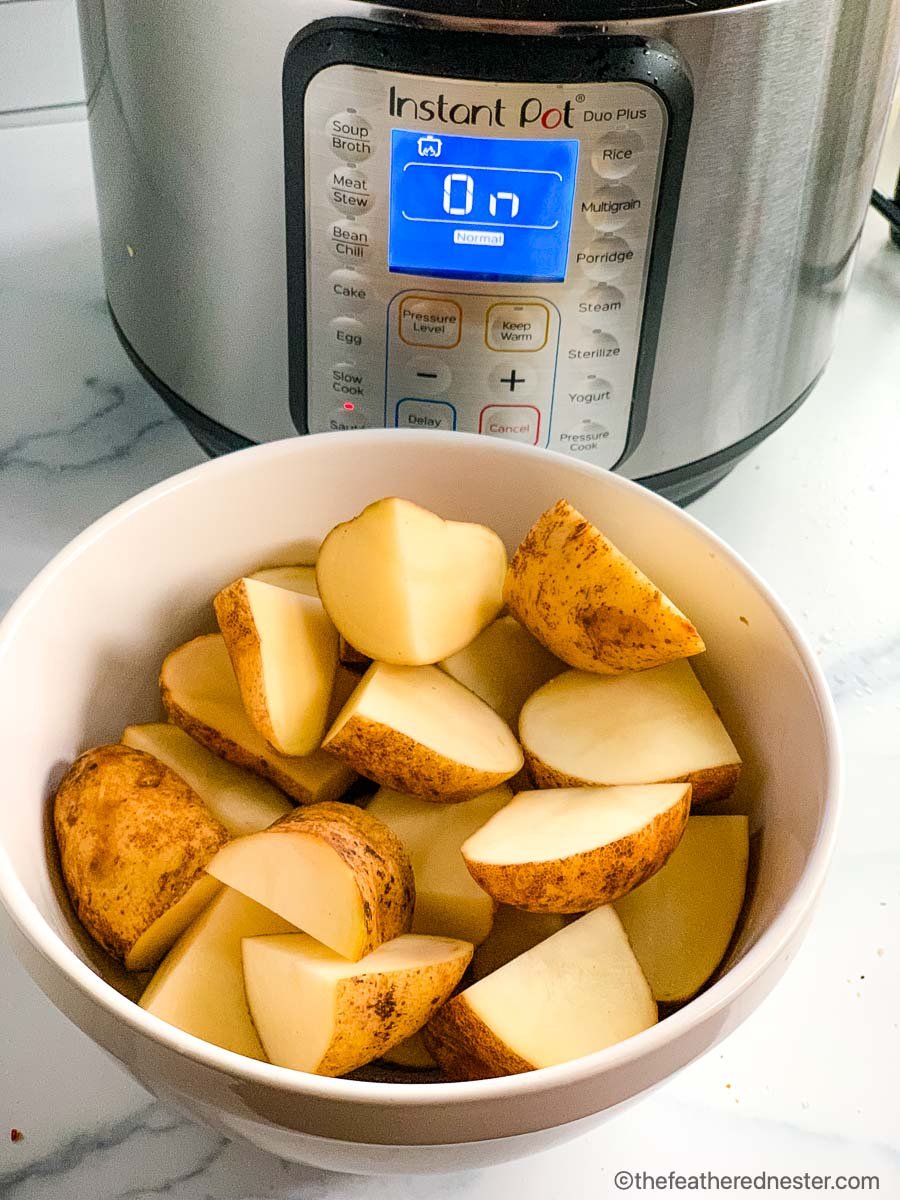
(79, 655)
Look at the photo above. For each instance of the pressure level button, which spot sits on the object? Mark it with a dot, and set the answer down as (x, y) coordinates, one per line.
(616, 154)
(350, 135)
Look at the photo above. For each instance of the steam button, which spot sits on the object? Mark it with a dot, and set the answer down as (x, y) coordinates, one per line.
(616, 154)
(350, 135)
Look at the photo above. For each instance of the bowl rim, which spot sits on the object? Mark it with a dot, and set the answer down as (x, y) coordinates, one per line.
(736, 980)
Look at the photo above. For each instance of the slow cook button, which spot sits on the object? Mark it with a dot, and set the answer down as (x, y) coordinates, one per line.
(348, 190)
(349, 384)
(350, 288)
(425, 414)
(515, 422)
(517, 327)
(610, 208)
(590, 390)
(350, 241)
(350, 135)
(347, 333)
(585, 437)
(616, 154)
(427, 321)
(605, 258)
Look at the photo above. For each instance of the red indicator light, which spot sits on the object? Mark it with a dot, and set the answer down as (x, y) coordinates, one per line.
(349, 405)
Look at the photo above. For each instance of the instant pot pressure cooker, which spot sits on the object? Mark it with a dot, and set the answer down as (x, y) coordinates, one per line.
(618, 229)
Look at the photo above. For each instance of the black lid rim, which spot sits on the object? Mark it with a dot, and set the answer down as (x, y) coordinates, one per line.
(560, 11)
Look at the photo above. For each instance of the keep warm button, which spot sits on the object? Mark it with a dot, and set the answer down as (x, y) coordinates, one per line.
(517, 327)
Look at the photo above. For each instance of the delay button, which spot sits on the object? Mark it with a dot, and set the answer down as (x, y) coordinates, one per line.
(425, 414)
(430, 322)
(517, 327)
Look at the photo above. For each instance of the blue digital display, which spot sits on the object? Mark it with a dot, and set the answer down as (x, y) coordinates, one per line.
(480, 208)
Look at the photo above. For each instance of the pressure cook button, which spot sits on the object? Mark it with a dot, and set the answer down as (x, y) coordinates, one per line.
(350, 135)
(601, 300)
(513, 379)
(604, 258)
(515, 422)
(427, 376)
(610, 208)
(350, 241)
(589, 391)
(517, 327)
(349, 384)
(346, 417)
(584, 438)
(425, 414)
(428, 321)
(616, 154)
(350, 288)
(348, 190)
(347, 333)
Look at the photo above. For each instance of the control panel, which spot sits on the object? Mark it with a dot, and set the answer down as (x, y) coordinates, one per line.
(476, 254)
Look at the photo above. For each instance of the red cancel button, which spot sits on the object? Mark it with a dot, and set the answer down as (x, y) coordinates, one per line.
(517, 422)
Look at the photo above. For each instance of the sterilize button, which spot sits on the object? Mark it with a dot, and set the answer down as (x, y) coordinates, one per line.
(515, 422)
(610, 208)
(511, 379)
(427, 376)
(605, 258)
(348, 334)
(616, 154)
(350, 241)
(600, 344)
(350, 135)
(348, 190)
(350, 288)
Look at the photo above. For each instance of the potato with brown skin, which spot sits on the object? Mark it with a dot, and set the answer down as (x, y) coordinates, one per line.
(332, 870)
(588, 603)
(134, 841)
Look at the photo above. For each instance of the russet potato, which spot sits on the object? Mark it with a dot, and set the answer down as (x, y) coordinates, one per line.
(314, 1011)
(416, 730)
(201, 695)
(331, 870)
(449, 903)
(411, 1054)
(681, 921)
(588, 603)
(134, 841)
(579, 991)
(199, 985)
(655, 726)
(284, 651)
(404, 586)
(566, 850)
(242, 801)
(512, 933)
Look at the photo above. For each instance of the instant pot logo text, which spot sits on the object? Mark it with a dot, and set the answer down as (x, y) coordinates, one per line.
(532, 112)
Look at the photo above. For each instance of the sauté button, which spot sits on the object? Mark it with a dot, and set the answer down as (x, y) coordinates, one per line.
(427, 376)
(350, 135)
(425, 414)
(348, 190)
(605, 258)
(616, 154)
(515, 422)
(347, 333)
(345, 418)
(511, 379)
(350, 288)
(520, 327)
(427, 321)
(610, 208)
(350, 241)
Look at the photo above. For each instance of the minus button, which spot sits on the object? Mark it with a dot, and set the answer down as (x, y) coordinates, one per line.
(425, 376)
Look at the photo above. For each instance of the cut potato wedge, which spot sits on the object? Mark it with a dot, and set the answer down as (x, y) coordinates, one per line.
(284, 651)
(404, 586)
(570, 849)
(577, 992)
(331, 870)
(512, 933)
(416, 730)
(503, 666)
(133, 842)
(411, 1054)
(200, 694)
(296, 579)
(681, 921)
(199, 985)
(657, 726)
(588, 603)
(243, 802)
(449, 903)
(314, 1011)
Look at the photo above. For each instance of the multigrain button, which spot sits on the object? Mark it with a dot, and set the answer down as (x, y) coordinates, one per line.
(350, 135)
(350, 241)
(601, 300)
(616, 154)
(610, 208)
(430, 321)
(348, 190)
(350, 288)
(605, 257)
(520, 327)
(347, 334)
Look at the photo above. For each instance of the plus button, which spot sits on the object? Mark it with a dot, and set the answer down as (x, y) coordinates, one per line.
(512, 379)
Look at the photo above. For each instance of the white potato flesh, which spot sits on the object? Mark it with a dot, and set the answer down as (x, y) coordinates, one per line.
(404, 586)
(681, 921)
(199, 986)
(301, 879)
(314, 1011)
(201, 695)
(449, 902)
(512, 933)
(167, 929)
(296, 579)
(577, 992)
(652, 726)
(284, 650)
(241, 801)
(503, 666)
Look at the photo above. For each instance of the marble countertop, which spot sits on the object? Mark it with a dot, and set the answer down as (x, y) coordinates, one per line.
(808, 1083)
